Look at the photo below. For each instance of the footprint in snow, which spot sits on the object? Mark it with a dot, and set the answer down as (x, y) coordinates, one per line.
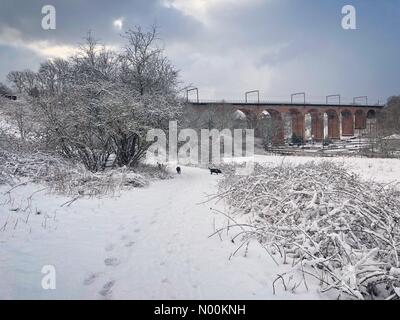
(156, 213)
(130, 244)
(107, 289)
(110, 247)
(111, 262)
(136, 230)
(90, 279)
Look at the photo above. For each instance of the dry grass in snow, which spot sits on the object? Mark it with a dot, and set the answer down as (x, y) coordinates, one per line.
(323, 220)
(64, 177)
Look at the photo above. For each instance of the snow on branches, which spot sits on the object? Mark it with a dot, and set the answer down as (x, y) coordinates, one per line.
(65, 177)
(100, 101)
(329, 223)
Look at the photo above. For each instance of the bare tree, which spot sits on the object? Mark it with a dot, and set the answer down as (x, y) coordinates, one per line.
(145, 69)
(100, 101)
(389, 120)
(23, 81)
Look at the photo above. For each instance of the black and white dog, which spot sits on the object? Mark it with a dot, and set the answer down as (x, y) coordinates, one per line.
(215, 171)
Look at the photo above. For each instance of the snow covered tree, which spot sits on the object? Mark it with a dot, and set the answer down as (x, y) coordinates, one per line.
(389, 120)
(23, 81)
(145, 69)
(4, 90)
(101, 102)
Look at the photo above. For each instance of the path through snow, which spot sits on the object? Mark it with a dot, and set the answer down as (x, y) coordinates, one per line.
(150, 243)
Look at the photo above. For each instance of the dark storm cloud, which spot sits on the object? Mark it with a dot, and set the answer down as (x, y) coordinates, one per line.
(228, 46)
(76, 17)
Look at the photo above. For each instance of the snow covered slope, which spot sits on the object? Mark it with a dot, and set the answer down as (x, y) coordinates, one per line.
(150, 243)
(146, 244)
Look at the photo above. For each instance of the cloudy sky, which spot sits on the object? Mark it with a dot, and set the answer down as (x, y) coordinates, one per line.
(226, 47)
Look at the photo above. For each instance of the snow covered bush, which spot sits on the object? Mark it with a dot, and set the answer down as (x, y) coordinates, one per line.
(18, 116)
(154, 172)
(326, 221)
(64, 177)
(4, 90)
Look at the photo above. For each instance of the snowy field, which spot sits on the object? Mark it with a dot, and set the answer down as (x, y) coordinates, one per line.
(379, 170)
(150, 243)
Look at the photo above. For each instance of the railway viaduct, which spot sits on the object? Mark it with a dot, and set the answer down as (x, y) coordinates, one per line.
(342, 120)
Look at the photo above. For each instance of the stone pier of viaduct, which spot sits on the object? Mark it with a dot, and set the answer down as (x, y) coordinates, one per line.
(342, 120)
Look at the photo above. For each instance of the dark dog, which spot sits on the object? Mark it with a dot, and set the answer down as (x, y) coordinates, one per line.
(215, 171)
(178, 170)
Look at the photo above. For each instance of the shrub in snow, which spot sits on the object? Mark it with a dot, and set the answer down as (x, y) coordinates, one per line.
(326, 221)
(17, 118)
(154, 172)
(64, 177)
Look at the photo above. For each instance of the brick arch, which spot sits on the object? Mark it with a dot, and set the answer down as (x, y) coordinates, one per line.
(333, 124)
(265, 114)
(298, 123)
(317, 124)
(277, 121)
(371, 114)
(252, 117)
(360, 121)
(239, 115)
(347, 122)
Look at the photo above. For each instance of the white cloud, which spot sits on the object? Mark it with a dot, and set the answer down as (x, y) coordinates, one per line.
(47, 49)
(13, 38)
(118, 23)
(202, 9)
(224, 75)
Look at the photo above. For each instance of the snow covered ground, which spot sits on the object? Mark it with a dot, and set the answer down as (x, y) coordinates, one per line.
(150, 243)
(379, 170)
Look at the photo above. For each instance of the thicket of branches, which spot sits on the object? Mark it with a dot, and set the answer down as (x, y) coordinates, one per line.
(100, 101)
(20, 167)
(323, 220)
(4, 90)
(389, 119)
